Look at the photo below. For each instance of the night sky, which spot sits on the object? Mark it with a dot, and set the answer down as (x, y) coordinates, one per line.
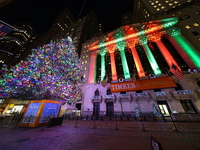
(42, 13)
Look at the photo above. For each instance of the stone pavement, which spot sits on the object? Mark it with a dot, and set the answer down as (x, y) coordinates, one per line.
(76, 136)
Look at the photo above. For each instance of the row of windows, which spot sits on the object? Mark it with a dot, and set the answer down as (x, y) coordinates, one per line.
(84, 62)
(194, 24)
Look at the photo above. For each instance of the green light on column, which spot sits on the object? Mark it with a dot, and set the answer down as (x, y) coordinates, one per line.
(121, 46)
(103, 70)
(193, 54)
(152, 60)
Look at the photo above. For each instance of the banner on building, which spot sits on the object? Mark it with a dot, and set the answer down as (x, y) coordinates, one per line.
(156, 83)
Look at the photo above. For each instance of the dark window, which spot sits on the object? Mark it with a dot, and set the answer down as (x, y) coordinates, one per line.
(139, 91)
(157, 90)
(179, 18)
(96, 93)
(186, 16)
(109, 92)
(124, 92)
(78, 106)
(188, 106)
(198, 83)
(179, 87)
(195, 33)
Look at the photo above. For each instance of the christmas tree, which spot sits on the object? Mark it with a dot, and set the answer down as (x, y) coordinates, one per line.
(51, 72)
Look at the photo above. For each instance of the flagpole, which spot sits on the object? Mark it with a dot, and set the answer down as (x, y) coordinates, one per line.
(7, 24)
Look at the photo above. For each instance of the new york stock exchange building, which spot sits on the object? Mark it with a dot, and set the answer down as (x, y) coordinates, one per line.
(139, 66)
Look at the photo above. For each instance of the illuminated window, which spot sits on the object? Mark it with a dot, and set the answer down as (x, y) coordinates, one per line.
(175, 2)
(159, 4)
(154, 6)
(162, 7)
(85, 68)
(156, 1)
(197, 12)
(167, 1)
(82, 62)
(157, 9)
(196, 24)
(83, 56)
(170, 4)
(187, 26)
(86, 56)
(86, 62)
(152, 3)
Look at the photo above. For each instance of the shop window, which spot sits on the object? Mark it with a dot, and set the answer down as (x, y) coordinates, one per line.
(195, 33)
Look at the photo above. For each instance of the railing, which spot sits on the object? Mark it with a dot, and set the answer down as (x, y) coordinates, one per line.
(173, 122)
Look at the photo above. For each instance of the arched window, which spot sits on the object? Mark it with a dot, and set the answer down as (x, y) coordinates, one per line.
(109, 92)
(96, 93)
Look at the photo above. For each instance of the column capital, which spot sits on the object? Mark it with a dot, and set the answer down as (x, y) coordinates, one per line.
(102, 52)
(155, 36)
(121, 46)
(173, 31)
(143, 40)
(131, 43)
(93, 53)
(111, 48)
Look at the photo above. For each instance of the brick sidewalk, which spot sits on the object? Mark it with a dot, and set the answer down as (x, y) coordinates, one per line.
(70, 137)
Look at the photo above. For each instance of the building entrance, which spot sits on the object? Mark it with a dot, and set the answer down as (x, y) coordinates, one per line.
(109, 109)
(96, 109)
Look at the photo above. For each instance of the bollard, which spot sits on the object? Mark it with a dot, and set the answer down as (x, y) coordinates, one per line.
(94, 127)
(128, 117)
(135, 117)
(76, 122)
(120, 117)
(116, 127)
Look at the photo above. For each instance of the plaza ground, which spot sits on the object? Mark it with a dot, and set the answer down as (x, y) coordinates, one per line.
(98, 135)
